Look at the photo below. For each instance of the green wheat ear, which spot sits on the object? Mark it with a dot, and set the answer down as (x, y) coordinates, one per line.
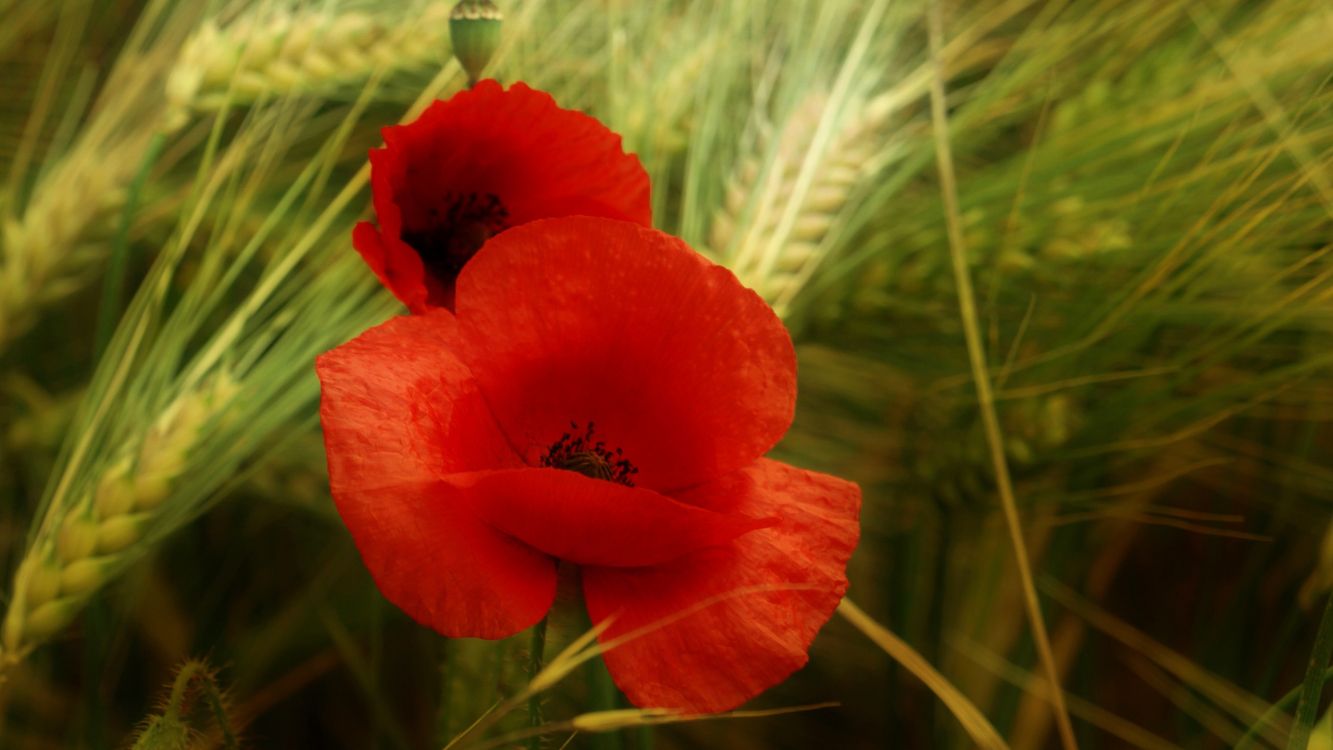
(195, 695)
(266, 54)
(97, 536)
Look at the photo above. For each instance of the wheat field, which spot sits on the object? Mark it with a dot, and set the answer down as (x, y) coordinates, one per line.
(1059, 275)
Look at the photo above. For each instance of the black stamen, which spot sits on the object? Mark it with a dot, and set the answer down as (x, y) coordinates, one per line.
(588, 457)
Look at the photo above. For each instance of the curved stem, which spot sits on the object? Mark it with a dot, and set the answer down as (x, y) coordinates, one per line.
(1307, 709)
(975, 723)
(1269, 717)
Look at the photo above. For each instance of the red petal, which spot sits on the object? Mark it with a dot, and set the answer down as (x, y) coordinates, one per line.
(583, 319)
(538, 159)
(725, 639)
(398, 405)
(400, 414)
(596, 522)
(432, 557)
(366, 240)
(396, 264)
(543, 161)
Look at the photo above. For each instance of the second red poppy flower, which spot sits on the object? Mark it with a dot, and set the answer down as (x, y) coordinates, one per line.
(470, 167)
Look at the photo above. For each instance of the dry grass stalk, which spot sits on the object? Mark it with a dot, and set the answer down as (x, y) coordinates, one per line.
(274, 54)
(83, 543)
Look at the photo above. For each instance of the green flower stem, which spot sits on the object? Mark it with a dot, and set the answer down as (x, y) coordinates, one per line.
(442, 720)
(603, 696)
(535, 666)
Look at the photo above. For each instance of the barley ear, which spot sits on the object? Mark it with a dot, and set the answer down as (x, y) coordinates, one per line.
(108, 527)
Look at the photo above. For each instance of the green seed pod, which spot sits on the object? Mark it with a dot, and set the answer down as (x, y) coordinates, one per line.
(1057, 420)
(13, 630)
(150, 489)
(116, 534)
(1020, 450)
(474, 28)
(41, 624)
(85, 576)
(78, 539)
(43, 582)
(115, 493)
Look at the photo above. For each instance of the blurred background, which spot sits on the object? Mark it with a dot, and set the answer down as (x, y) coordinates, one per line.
(1145, 207)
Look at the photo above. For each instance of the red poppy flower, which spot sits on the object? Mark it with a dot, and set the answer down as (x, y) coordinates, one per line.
(603, 396)
(483, 161)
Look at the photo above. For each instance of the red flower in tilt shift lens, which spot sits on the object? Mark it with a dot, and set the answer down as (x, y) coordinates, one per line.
(603, 396)
(481, 162)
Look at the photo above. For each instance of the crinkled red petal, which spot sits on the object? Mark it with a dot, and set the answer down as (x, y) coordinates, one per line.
(436, 560)
(517, 144)
(590, 320)
(401, 413)
(722, 625)
(542, 160)
(397, 265)
(597, 522)
(405, 284)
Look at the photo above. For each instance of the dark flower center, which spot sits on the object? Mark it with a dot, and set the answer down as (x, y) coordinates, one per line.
(584, 454)
(455, 230)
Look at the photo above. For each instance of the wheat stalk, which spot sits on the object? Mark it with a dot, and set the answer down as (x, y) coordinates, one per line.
(764, 187)
(274, 54)
(80, 546)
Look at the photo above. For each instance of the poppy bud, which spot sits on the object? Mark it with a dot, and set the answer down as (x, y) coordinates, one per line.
(164, 731)
(474, 28)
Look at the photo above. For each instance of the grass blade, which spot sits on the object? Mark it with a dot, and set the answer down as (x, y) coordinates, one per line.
(973, 721)
(981, 377)
(1307, 710)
